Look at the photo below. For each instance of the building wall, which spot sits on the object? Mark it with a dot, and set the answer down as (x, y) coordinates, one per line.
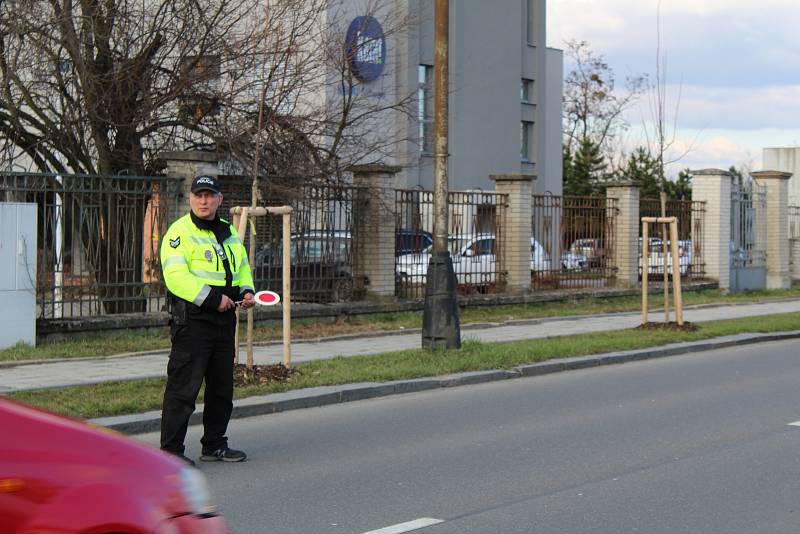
(550, 175)
(786, 159)
(485, 79)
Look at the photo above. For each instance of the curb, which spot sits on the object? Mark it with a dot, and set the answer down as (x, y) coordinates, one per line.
(328, 395)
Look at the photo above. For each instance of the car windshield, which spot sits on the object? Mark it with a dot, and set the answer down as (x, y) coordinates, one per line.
(412, 242)
(457, 244)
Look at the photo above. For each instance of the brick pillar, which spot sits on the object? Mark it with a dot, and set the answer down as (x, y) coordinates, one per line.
(777, 234)
(186, 164)
(374, 227)
(516, 251)
(713, 186)
(624, 244)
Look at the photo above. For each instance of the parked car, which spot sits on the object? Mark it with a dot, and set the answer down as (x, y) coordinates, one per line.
(408, 241)
(473, 257)
(571, 261)
(656, 256)
(61, 475)
(321, 267)
(540, 259)
(592, 248)
(474, 260)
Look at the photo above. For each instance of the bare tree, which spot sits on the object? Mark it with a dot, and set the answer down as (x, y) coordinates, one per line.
(88, 87)
(593, 105)
(661, 135)
(593, 118)
(661, 138)
(104, 86)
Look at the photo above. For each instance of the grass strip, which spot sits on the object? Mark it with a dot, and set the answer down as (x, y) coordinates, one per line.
(118, 398)
(118, 342)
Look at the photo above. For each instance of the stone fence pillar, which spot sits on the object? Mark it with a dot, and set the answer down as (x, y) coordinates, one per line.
(777, 234)
(374, 228)
(624, 245)
(186, 164)
(516, 251)
(713, 186)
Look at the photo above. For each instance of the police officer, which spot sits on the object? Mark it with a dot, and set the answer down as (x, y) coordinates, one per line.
(207, 274)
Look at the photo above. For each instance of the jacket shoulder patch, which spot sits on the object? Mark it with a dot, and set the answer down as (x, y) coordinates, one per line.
(175, 243)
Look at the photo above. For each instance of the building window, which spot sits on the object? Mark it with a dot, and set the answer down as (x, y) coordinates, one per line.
(530, 21)
(526, 91)
(425, 108)
(526, 141)
(200, 76)
(201, 73)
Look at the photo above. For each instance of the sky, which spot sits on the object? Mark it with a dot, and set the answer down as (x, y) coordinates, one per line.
(732, 70)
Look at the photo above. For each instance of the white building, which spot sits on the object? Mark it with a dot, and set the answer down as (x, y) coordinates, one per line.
(505, 89)
(786, 159)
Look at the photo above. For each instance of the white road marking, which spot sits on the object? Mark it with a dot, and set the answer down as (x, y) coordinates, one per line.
(796, 423)
(416, 524)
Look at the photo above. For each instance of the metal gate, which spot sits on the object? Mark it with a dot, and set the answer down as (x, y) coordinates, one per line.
(572, 241)
(748, 237)
(325, 242)
(97, 240)
(476, 239)
(691, 249)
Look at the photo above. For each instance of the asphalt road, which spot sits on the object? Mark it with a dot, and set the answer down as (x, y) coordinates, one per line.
(700, 443)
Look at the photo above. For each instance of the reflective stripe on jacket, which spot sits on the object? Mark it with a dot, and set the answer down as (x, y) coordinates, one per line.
(191, 261)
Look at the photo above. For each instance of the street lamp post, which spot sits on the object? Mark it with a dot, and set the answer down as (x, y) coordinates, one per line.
(440, 324)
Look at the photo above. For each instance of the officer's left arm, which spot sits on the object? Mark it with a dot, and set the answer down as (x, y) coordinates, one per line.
(243, 272)
(246, 287)
(245, 277)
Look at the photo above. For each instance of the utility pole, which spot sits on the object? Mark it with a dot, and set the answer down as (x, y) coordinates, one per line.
(440, 324)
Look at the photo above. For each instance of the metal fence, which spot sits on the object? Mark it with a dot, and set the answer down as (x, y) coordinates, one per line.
(476, 237)
(324, 248)
(691, 217)
(572, 245)
(97, 242)
(98, 239)
(748, 225)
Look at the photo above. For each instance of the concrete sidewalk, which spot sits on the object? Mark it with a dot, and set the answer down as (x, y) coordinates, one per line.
(62, 373)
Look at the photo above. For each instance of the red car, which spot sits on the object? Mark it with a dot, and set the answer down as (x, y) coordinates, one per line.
(59, 475)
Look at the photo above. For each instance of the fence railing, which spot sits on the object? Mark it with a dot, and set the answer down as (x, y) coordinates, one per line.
(691, 217)
(573, 241)
(476, 238)
(794, 222)
(324, 248)
(748, 225)
(97, 242)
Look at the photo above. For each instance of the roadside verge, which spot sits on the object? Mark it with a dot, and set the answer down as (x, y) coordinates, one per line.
(327, 395)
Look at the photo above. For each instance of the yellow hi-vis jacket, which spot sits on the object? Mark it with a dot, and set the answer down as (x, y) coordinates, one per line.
(198, 268)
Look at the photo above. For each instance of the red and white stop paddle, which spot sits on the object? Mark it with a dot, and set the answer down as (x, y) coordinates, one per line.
(266, 298)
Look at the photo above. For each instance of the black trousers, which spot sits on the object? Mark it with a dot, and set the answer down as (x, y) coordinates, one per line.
(200, 351)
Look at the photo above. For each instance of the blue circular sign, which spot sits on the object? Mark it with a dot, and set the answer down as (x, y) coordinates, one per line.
(365, 46)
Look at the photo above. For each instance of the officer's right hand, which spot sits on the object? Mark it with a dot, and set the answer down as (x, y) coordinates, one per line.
(225, 304)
